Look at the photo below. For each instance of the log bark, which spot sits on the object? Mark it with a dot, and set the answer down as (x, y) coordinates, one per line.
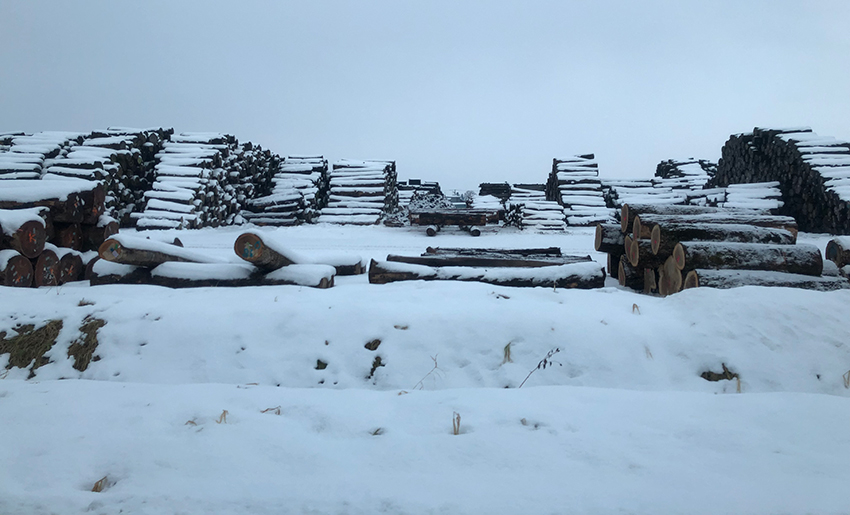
(486, 260)
(629, 211)
(838, 251)
(46, 269)
(735, 278)
(15, 269)
(544, 251)
(629, 276)
(794, 259)
(643, 224)
(609, 237)
(576, 275)
(640, 255)
(28, 239)
(117, 252)
(663, 237)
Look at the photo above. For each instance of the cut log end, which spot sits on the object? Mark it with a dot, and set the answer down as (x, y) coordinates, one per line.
(655, 238)
(46, 269)
(679, 256)
(691, 280)
(18, 272)
(110, 250)
(29, 239)
(70, 268)
(624, 218)
(249, 247)
(650, 284)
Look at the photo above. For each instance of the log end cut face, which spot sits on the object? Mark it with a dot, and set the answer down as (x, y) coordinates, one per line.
(30, 239)
(249, 247)
(46, 270)
(18, 273)
(111, 250)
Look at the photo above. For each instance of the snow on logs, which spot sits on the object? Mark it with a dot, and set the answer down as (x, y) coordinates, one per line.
(360, 192)
(656, 248)
(813, 173)
(269, 255)
(574, 183)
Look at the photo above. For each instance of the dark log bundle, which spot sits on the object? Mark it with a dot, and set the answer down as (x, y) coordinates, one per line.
(642, 224)
(576, 275)
(795, 259)
(144, 252)
(812, 172)
(15, 269)
(838, 251)
(487, 259)
(663, 237)
(609, 238)
(468, 251)
(736, 278)
(46, 269)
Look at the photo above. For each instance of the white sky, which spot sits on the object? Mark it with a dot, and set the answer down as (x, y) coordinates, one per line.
(456, 91)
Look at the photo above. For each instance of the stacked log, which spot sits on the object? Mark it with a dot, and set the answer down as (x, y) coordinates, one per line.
(504, 267)
(813, 173)
(663, 249)
(675, 182)
(574, 183)
(360, 192)
(22, 156)
(411, 187)
(537, 213)
(294, 194)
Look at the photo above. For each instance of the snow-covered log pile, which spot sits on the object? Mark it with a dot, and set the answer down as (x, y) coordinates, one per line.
(574, 183)
(758, 196)
(813, 173)
(22, 155)
(537, 213)
(500, 190)
(504, 267)
(360, 192)
(45, 228)
(294, 193)
(407, 190)
(664, 249)
(675, 182)
(132, 260)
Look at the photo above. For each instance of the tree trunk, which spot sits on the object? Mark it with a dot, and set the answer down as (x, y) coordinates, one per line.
(736, 278)
(838, 251)
(664, 237)
(643, 224)
(669, 278)
(629, 211)
(115, 251)
(794, 259)
(640, 255)
(70, 267)
(487, 260)
(629, 276)
(545, 251)
(608, 238)
(95, 235)
(254, 250)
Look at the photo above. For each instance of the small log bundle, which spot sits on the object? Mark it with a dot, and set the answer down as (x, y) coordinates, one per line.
(586, 275)
(360, 192)
(574, 183)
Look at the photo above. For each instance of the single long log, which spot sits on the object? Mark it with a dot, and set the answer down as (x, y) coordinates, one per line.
(629, 211)
(268, 255)
(794, 259)
(46, 269)
(608, 237)
(127, 250)
(314, 276)
(735, 278)
(663, 237)
(576, 275)
(174, 274)
(838, 251)
(487, 260)
(15, 269)
(543, 251)
(643, 224)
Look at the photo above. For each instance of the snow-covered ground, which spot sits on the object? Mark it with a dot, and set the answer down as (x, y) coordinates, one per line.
(621, 422)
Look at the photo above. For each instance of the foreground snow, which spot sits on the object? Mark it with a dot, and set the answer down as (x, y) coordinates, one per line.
(625, 424)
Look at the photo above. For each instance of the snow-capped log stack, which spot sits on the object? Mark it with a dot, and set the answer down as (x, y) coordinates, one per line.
(504, 267)
(22, 155)
(574, 183)
(500, 190)
(294, 194)
(360, 192)
(408, 189)
(813, 173)
(675, 182)
(758, 196)
(538, 214)
(187, 191)
(668, 248)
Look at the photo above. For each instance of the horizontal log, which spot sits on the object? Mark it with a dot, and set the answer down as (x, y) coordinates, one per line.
(735, 278)
(664, 237)
(268, 255)
(608, 237)
(136, 251)
(795, 259)
(577, 275)
(312, 275)
(490, 259)
(176, 274)
(838, 251)
(102, 272)
(643, 224)
(629, 210)
(629, 276)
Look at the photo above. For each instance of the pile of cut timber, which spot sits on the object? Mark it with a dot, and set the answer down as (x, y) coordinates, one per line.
(663, 249)
(294, 193)
(22, 156)
(500, 190)
(132, 260)
(538, 214)
(574, 183)
(360, 192)
(675, 182)
(505, 267)
(407, 190)
(45, 228)
(813, 173)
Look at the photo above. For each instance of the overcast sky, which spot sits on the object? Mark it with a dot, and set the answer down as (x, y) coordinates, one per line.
(456, 91)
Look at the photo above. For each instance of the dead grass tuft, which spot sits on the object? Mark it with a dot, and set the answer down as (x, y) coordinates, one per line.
(30, 345)
(82, 349)
(455, 423)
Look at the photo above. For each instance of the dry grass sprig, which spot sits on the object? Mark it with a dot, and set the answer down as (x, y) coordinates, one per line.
(275, 410)
(100, 484)
(435, 371)
(455, 423)
(846, 379)
(222, 419)
(545, 362)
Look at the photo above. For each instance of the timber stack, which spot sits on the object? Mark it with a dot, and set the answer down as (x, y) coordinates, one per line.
(360, 192)
(574, 183)
(48, 230)
(294, 193)
(537, 213)
(124, 259)
(664, 249)
(412, 187)
(545, 267)
(813, 173)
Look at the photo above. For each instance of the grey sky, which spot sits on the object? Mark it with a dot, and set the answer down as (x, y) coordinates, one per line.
(456, 91)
